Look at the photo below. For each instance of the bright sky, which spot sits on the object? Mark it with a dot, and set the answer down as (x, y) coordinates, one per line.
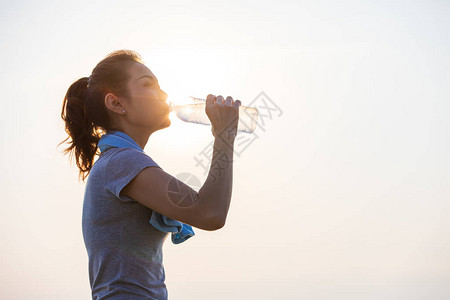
(345, 195)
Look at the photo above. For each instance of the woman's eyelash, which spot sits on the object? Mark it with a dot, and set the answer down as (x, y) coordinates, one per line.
(151, 84)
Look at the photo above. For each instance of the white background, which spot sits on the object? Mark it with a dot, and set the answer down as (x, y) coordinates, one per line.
(343, 196)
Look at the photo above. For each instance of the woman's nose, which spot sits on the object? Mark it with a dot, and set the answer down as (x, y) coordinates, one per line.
(164, 96)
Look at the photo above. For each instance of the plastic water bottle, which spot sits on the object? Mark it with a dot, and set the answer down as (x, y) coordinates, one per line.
(195, 113)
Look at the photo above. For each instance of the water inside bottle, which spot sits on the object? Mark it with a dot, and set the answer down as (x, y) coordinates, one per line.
(194, 112)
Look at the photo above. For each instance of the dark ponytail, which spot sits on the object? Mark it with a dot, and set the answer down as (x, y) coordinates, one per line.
(84, 112)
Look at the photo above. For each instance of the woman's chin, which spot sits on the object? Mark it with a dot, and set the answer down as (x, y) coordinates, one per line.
(168, 122)
(165, 123)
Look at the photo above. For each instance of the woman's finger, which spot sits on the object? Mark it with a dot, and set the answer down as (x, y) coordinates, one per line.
(229, 101)
(210, 99)
(219, 99)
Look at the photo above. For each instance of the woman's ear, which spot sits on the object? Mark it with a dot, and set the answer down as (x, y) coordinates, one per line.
(114, 103)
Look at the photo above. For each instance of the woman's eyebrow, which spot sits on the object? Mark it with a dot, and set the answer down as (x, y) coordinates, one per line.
(151, 77)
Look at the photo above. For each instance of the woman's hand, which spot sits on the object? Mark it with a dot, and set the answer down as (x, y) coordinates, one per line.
(224, 116)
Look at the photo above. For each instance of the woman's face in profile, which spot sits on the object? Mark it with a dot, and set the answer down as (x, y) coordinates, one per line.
(147, 106)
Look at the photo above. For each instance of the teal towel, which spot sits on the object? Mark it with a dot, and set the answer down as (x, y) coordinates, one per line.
(180, 231)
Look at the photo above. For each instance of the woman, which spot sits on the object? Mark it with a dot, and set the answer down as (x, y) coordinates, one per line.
(122, 96)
